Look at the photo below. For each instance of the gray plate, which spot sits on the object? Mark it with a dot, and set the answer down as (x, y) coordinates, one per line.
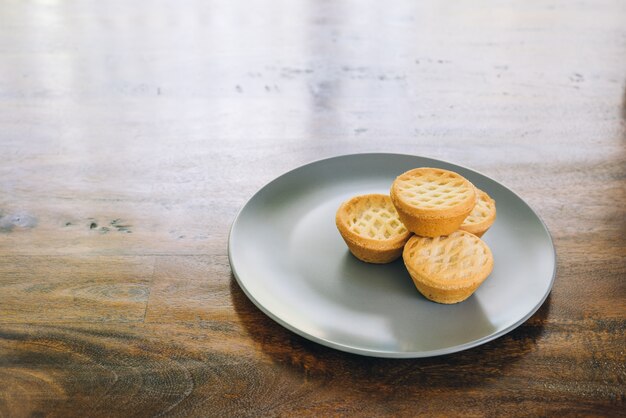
(290, 260)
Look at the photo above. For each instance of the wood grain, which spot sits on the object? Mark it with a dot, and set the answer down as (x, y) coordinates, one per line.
(131, 133)
(75, 289)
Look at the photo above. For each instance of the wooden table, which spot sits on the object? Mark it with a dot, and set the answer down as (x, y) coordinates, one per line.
(132, 132)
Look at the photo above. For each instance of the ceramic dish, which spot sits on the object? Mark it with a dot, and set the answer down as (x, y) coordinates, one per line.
(290, 260)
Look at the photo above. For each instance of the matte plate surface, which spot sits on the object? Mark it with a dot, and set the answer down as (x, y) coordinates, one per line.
(290, 260)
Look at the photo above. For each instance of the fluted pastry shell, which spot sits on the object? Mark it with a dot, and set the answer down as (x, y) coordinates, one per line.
(432, 201)
(370, 226)
(448, 269)
(482, 216)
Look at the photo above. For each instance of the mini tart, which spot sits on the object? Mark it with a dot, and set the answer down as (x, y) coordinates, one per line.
(448, 269)
(432, 201)
(482, 216)
(370, 226)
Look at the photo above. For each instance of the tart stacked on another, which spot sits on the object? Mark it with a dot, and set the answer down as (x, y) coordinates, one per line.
(432, 201)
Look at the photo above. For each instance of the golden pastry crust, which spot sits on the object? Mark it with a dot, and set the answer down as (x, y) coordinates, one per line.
(482, 216)
(432, 201)
(448, 269)
(370, 226)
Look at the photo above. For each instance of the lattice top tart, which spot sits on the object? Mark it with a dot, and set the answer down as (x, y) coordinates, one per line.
(432, 201)
(370, 222)
(433, 192)
(448, 269)
(482, 216)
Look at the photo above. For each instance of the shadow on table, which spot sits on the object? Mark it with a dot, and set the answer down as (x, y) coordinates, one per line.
(471, 367)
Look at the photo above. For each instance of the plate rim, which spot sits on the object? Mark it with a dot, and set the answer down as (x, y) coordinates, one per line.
(383, 353)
